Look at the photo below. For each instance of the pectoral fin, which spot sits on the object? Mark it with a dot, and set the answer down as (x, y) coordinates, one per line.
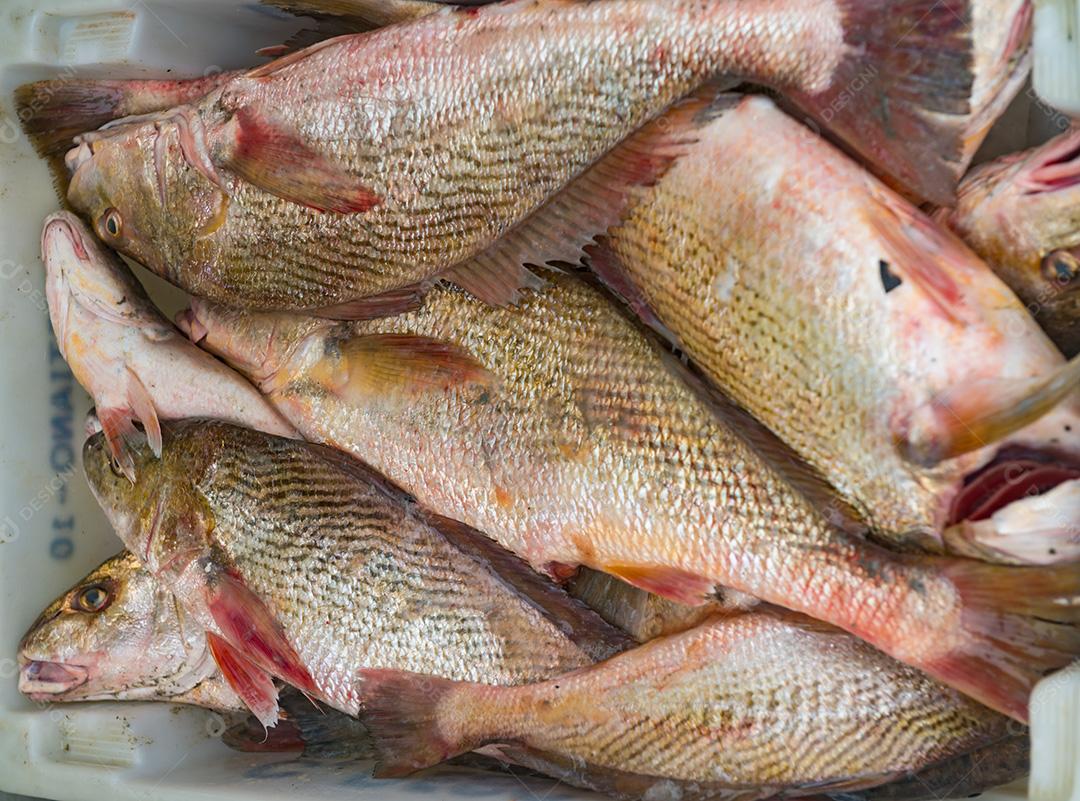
(143, 406)
(252, 630)
(267, 154)
(375, 365)
(253, 684)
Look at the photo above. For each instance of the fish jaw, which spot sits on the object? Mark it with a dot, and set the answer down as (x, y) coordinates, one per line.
(44, 681)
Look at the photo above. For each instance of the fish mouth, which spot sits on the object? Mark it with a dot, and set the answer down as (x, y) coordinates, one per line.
(188, 322)
(1056, 168)
(41, 680)
(62, 227)
(1014, 474)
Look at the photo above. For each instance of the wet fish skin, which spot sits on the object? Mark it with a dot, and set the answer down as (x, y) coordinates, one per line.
(128, 357)
(1022, 214)
(132, 643)
(330, 568)
(834, 313)
(557, 428)
(398, 184)
(743, 706)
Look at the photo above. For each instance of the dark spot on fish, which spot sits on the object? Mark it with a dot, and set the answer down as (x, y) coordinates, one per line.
(917, 585)
(889, 279)
(1068, 427)
(1053, 551)
(122, 301)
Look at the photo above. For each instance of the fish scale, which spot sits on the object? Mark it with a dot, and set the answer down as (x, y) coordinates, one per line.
(722, 706)
(375, 161)
(353, 572)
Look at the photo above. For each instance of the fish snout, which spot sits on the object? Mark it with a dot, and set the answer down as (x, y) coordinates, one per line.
(77, 156)
(42, 679)
(62, 239)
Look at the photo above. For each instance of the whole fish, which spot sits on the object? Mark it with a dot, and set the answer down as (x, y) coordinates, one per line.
(346, 171)
(560, 430)
(119, 635)
(871, 341)
(737, 708)
(130, 358)
(1022, 214)
(304, 565)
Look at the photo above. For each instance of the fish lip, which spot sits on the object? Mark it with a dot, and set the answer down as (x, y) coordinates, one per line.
(41, 679)
(77, 156)
(68, 223)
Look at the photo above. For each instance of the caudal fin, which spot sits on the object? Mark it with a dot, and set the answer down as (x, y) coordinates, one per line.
(902, 98)
(400, 710)
(1017, 624)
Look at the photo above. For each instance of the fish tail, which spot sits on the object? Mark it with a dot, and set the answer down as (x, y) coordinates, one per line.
(401, 710)
(1018, 624)
(902, 96)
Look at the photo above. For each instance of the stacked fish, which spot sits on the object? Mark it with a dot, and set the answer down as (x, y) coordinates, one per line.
(543, 404)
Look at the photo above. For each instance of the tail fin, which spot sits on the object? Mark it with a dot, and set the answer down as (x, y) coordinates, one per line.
(1012, 631)
(401, 711)
(902, 98)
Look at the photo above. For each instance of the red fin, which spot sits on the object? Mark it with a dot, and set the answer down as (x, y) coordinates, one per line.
(588, 206)
(401, 710)
(1006, 643)
(387, 304)
(670, 582)
(249, 626)
(901, 99)
(970, 417)
(267, 70)
(252, 684)
(143, 406)
(585, 628)
(604, 262)
(121, 436)
(494, 280)
(274, 159)
(374, 365)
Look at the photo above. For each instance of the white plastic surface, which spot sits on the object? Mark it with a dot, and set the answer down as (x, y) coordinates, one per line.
(51, 531)
(1057, 54)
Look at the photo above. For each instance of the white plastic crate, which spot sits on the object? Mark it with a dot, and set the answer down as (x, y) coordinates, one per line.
(51, 531)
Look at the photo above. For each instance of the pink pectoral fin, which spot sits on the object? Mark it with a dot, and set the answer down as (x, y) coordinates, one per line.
(251, 683)
(669, 582)
(254, 632)
(143, 406)
(120, 433)
(270, 156)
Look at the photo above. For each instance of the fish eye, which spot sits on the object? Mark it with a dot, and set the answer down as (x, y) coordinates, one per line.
(111, 222)
(92, 599)
(1060, 267)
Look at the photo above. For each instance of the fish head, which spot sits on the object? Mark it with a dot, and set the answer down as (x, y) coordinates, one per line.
(1024, 212)
(258, 344)
(116, 634)
(162, 515)
(80, 270)
(135, 186)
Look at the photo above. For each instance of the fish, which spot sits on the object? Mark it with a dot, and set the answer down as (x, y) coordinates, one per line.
(992, 765)
(561, 430)
(741, 707)
(871, 341)
(1021, 213)
(118, 635)
(302, 564)
(126, 354)
(343, 180)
